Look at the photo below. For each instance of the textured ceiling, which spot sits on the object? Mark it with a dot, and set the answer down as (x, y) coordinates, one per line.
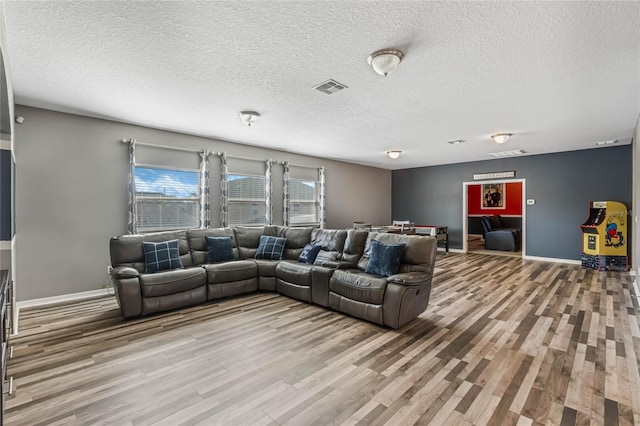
(559, 75)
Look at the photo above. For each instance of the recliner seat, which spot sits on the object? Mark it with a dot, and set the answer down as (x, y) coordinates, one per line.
(393, 300)
(498, 237)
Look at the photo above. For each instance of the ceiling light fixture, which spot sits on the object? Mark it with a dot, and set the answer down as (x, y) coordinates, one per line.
(394, 153)
(385, 61)
(501, 137)
(249, 117)
(456, 142)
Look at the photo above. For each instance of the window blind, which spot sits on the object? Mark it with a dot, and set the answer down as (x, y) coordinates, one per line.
(303, 202)
(247, 197)
(166, 199)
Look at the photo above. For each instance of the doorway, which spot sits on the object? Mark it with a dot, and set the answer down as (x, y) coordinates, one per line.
(504, 198)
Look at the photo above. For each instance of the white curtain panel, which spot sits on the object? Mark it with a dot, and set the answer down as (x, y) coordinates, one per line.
(205, 205)
(224, 191)
(286, 195)
(133, 210)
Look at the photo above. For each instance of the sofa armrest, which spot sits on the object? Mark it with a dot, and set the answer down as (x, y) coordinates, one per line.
(404, 302)
(129, 296)
(124, 272)
(409, 278)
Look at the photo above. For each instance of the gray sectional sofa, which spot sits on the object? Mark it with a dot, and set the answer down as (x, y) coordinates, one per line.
(337, 279)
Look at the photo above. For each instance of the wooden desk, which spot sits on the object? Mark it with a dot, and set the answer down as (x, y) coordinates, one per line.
(440, 232)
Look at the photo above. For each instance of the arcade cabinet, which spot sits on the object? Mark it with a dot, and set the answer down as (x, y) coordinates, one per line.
(604, 239)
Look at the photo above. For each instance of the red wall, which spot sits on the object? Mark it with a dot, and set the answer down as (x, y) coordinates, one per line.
(513, 198)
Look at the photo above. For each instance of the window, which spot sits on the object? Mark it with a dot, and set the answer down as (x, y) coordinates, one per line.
(304, 202)
(247, 199)
(166, 199)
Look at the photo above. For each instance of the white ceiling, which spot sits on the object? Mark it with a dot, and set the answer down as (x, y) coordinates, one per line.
(559, 75)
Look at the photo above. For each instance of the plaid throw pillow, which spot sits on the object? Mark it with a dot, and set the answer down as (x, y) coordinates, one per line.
(270, 247)
(161, 256)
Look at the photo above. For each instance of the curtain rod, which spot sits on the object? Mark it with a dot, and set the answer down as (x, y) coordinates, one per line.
(173, 148)
(242, 158)
(298, 165)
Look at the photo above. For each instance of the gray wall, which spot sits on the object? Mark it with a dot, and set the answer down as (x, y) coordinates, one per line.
(636, 200)
(6, 160)
(71, 194)
(562, 185)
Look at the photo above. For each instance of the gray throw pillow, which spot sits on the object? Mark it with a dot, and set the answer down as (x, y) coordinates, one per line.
(326, 256)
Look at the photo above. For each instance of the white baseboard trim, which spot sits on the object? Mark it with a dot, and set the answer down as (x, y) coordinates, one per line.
(636, 289)
(45, 301)
(553, 259)
(62, 298)
(451, 250)
(632, 272)
(502, 215)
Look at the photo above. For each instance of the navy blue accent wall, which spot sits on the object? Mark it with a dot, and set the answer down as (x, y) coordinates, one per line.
(5, 195)
(562, 185)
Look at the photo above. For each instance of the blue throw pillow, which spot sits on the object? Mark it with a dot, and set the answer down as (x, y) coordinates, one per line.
(161, 256)
(219, 249)
(309, 253)
(270, 247)
(384, 259)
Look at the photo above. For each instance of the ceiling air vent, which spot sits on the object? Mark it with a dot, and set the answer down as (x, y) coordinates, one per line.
(507, 153)
(330, 87)
(603, 143)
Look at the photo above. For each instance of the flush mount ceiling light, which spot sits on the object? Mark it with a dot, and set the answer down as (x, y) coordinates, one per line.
(385, 61)
(603, 143)
(501, 137)
(249, 117)
(394, 153)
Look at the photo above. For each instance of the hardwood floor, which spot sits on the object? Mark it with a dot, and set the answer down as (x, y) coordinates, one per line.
(504, 341)
(476, 246)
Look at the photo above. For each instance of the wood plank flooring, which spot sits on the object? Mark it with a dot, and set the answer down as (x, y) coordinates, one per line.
(504, 341)
(476, 246)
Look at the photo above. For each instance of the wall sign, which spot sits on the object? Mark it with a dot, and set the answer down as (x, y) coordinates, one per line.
(494, 175)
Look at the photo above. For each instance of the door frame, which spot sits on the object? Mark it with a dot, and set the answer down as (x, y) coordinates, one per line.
(465, 211)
